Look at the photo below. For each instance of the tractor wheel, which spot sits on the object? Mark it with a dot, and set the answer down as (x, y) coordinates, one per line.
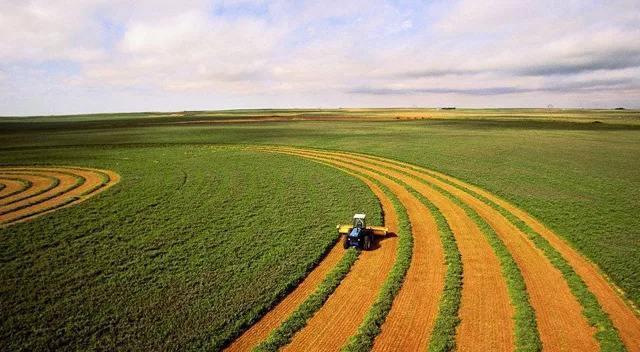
(367, 243)
(345, 243)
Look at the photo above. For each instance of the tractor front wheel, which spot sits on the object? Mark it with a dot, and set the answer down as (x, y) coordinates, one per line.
(345, 243)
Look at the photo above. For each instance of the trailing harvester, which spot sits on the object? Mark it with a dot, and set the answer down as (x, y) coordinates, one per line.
(359, 234)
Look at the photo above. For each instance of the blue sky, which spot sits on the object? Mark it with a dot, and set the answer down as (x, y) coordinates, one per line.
(62, 56)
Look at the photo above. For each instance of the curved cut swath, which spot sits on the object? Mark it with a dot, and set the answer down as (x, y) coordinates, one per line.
(30, 191)
(487, 310)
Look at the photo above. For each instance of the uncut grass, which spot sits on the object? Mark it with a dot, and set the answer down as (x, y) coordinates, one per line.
(188, 249)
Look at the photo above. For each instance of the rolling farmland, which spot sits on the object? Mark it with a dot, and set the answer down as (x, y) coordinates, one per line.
(221, 235)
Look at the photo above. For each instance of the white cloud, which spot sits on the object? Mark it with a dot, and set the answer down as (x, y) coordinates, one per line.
(320, 51)
(48, 30)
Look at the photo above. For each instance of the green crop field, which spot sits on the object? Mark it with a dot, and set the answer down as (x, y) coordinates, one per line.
(201, 236)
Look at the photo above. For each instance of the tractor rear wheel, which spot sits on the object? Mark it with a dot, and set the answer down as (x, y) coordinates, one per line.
(367, 242)
(345, 243)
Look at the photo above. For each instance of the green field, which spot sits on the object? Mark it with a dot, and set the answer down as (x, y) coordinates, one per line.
(157, 260)
(194, 243)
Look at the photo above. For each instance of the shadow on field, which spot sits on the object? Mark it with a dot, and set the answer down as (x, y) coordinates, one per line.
(377, 239)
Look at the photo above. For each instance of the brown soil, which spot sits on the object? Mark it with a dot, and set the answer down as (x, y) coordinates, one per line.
(71, 192)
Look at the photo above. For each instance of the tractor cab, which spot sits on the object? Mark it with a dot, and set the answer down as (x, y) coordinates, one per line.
(359, 222)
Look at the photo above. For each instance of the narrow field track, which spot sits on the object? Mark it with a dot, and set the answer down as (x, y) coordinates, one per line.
(40, 190)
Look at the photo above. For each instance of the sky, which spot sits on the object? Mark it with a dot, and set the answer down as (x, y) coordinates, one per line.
(63, 57)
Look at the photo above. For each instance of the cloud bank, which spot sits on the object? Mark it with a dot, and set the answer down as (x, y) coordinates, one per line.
(61, 56)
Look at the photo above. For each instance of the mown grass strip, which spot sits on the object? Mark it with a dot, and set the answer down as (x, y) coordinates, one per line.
(526, 328)
(606, 334)
(443, 336)
(54, 183)
(59, 205)
(298, 319)
(370, 327)
(79, 182)
(26, 184)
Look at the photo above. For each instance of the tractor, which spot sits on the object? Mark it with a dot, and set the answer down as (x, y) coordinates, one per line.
(360, 235)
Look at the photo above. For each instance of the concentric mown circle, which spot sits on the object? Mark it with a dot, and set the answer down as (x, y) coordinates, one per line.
(30, 191)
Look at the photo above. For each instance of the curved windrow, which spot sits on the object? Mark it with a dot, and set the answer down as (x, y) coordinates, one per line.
(31, 191)
(510, 260)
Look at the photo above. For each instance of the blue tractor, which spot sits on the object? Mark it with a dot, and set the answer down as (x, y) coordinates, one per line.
(360, 235)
